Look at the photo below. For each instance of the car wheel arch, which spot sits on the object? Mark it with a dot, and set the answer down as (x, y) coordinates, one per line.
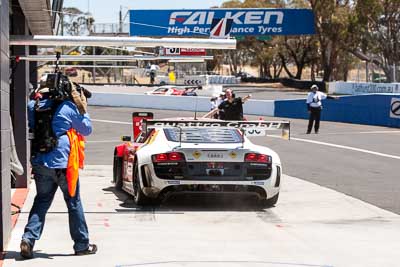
(140, 198)
(140, 170)
(119, 150)
(117, 170)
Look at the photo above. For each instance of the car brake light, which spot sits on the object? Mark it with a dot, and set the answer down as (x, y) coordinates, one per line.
(168, 157)
(250, 157)
(254, 157)
(175, 156)
(160, 157)
(263, 158)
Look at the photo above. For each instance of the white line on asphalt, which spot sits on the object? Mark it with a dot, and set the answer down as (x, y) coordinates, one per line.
(343, 147)
(304, 140)
(115, 122)
(378, 132)
(104, 141)
(365, 132)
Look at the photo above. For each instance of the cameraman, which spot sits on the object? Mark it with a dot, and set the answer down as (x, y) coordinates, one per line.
(55, 159)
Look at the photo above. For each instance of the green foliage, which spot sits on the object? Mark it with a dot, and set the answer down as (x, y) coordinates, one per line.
(378, 23)
(346, 31)
(251, 50)
(232, 4)
(76, 22)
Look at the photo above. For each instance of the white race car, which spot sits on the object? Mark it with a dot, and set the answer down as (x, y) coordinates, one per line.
(192, 156)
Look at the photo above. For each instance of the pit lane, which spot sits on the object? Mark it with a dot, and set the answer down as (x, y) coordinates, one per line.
(362, 174)
(311, 225)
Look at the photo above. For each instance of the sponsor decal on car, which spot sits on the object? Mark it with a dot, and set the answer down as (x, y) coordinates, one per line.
(196, 154)
(215, 155)
(260, 126)
(230, 124)
(152, 138)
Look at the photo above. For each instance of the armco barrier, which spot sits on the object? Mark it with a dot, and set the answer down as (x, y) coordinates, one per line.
(259, 107)
(187, 103)
(371, 109)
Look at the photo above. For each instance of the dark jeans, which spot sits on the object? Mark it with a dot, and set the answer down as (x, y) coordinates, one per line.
(47, 181)
(315, 115)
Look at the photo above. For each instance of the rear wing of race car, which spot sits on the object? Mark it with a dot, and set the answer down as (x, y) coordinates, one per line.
(250, 128)
(137, 119)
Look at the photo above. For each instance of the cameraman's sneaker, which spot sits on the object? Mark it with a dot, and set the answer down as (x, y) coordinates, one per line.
(26, 250)
(91, 249)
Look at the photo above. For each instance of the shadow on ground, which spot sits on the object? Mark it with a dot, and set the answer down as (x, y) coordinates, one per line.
(224, 263)
(191, 203)
(37, 255)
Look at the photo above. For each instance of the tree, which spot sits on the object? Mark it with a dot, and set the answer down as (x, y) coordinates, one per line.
(331, 24)
(264, 55)
(76, 22)
(297, 50)
(300, 51)
(251, 50)
(378, 22)
(232, 4)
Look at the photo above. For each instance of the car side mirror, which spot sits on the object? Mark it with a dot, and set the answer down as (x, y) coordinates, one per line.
(126, 138)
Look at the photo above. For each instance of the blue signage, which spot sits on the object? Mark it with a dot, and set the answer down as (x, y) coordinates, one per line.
(246, 22)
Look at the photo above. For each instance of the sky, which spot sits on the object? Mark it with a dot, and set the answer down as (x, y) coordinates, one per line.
(106, 11)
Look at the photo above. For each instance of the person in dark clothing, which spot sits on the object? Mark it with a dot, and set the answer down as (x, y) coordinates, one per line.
(232, 107)
(314, 106)
(152, 76)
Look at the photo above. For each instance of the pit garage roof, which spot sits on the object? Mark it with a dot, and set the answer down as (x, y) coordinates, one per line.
(38, 16)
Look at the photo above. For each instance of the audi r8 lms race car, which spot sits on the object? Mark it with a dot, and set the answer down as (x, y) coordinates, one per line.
(167, 90)
(197, 156)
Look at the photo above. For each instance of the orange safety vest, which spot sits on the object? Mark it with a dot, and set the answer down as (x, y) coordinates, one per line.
(75, 159)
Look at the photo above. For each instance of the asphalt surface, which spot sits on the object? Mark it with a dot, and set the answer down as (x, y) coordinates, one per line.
(311, 226)
(365, 166)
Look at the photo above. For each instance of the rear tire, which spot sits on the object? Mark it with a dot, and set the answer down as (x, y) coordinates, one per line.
(138, 196)
(266, 203)
(117, 172)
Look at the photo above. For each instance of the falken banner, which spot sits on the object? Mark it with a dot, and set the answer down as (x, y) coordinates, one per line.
(246, 22)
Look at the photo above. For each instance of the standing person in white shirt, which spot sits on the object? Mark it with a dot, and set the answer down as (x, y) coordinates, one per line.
(153, 72)
(314, 106)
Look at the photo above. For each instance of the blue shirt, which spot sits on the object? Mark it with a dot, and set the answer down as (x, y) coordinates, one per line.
(66, 117)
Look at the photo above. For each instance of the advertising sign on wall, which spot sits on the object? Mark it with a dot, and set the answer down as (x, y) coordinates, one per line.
(185, 52)
(246, 22)
(395, 108)
(353, 88)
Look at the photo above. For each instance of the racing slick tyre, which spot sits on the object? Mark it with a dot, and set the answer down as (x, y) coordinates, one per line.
(270, 202)
(117, 172)
(139, 197)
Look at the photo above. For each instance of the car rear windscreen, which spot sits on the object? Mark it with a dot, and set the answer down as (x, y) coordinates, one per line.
(203, 135)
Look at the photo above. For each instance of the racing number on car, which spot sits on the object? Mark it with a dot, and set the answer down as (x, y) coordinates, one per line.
(255, 132)
(172, 51)
(139, 124)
